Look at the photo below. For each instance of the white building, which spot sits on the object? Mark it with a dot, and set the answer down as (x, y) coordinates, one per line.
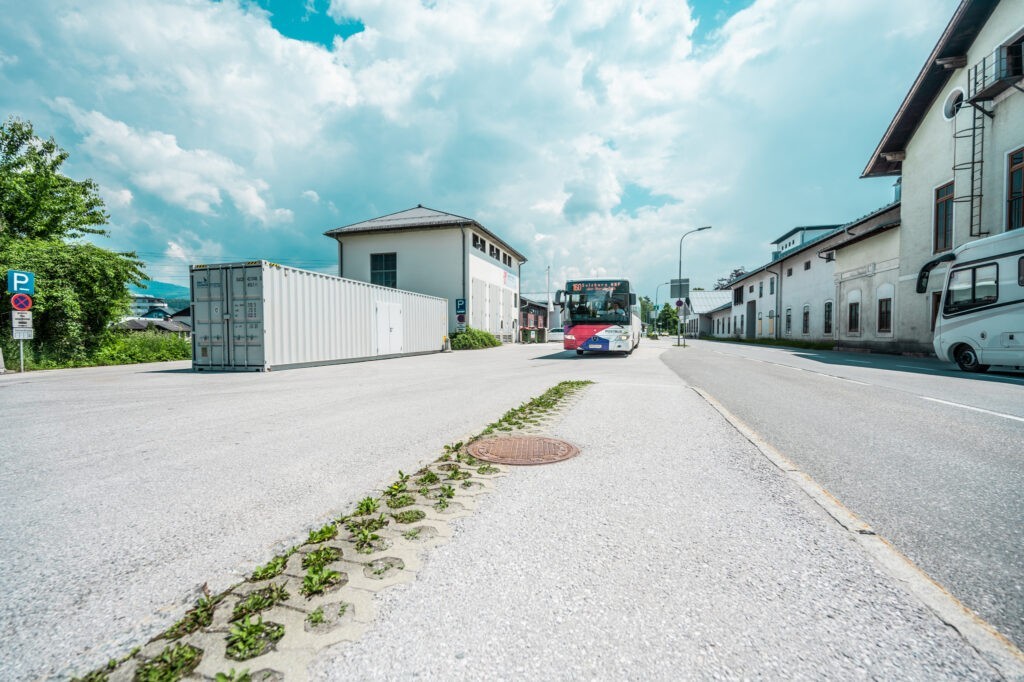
(440, 254)
(142, 304)
(957, 140)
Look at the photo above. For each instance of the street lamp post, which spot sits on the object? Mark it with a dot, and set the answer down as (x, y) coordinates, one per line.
(679, 323)
(657, 293)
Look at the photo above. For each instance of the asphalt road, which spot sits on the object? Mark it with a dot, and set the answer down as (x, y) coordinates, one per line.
(670, 547)
(929, 456)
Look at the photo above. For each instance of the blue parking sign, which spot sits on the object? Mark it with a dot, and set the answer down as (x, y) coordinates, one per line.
(20, 282)
(460, 306)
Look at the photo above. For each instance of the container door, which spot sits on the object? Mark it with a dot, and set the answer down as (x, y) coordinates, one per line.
(246, 318)
(208, 337)
(389, 328)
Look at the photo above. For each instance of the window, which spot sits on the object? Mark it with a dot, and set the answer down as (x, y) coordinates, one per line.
(971, 288)
(805, 323)
(944, 218)
(771, 287)
(1020, 271)
(495, 253)
(479, 243)
(853, 320)
(1015, 189)
(760, 289)
(751, 288)
(827, 326)
(789, 272)
(789, 320)
(384, 269)
(737, 295)
(807, 265)
(885, 316)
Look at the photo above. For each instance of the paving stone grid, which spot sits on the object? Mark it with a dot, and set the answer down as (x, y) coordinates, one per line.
(346, 608)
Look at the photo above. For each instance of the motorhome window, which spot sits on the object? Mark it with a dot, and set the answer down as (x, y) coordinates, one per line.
(971, 288)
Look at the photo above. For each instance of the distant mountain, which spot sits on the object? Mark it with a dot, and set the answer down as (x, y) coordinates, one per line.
(161, 290)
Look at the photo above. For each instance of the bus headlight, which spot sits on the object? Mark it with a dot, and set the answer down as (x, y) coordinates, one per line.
(624, 337)
(570, 337)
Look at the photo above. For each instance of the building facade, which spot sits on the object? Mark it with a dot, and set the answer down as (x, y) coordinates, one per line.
(957, 141)
(439, 254)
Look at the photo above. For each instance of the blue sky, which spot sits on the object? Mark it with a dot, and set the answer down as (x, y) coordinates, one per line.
(589, 135)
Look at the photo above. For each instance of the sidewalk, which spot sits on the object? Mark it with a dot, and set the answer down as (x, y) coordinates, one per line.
(669, 549)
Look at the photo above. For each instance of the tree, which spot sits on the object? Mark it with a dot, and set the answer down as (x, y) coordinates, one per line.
(723, 282)
(668, 318)
(80, 288)
(646, 308)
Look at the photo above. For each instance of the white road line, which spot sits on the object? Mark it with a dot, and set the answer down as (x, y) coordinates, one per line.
(976, 409)
(852, 381)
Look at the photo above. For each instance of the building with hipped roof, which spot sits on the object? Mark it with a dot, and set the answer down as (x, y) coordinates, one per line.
(440, 254)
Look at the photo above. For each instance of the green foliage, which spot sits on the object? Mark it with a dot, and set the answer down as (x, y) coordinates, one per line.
(198, 617)
(366, 506)
(488, 469)
(173, 663)
(123, 348)
(356, 525)
(668, 318)
(472, 339)
(412, 533)
(318, 579)
(232, 676)
(529, 412)
(409, 516)
(80, 288)
(399, 501)
(260, 600)
(328, 532)
(365, 539)
(428, 478)
(273, 568)
(248, 639)
(321, 557)
(316, 617)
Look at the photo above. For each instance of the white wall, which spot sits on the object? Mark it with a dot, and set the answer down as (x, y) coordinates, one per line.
(867, 271)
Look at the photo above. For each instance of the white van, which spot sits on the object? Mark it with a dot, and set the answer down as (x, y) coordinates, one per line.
(981, 321)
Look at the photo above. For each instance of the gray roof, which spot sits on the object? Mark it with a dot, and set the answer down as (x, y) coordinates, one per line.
(138, 325)
(418, 218)
(703, 302)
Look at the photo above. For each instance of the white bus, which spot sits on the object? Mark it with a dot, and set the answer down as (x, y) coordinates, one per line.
(981, 320)
(601, 315)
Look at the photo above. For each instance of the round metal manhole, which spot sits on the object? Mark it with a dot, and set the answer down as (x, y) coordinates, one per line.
(523, 450)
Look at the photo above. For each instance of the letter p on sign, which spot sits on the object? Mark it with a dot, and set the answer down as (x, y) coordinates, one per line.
(20, 282)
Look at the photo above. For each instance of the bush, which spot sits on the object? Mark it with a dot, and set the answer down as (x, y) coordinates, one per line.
(472, 339)
(123, 348)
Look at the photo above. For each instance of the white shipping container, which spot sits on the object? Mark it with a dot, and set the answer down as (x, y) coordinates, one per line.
(259, 316)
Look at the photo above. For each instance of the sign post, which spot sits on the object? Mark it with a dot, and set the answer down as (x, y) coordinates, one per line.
(21, 285)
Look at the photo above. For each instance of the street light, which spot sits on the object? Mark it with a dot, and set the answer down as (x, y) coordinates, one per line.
(679, 324)
(657, 293)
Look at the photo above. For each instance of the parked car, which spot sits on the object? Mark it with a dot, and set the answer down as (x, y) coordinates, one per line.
(556, 334)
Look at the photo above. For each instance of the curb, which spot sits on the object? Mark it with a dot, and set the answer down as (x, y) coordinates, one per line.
(993, 647)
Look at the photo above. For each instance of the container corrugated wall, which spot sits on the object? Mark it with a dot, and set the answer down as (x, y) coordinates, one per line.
(262, 316)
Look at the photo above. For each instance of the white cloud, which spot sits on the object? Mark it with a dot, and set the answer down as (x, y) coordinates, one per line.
(153, 161)
(116, 198)
(311, 195)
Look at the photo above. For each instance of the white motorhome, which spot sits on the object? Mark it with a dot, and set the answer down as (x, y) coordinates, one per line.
(981, 321)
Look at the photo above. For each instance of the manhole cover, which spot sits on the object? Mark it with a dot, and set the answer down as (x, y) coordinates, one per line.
(523, 450)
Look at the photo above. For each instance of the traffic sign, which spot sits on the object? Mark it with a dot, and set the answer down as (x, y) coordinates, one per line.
(21, 319)
(679, 303)
(21, 302)
(680, 288)
(460, 318)
(24, 334)
(21, 282)
(460, 306)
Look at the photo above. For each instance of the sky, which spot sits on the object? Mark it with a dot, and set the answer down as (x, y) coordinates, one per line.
(589, 135)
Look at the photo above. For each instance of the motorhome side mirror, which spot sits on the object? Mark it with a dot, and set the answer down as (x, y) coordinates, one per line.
(922, 281)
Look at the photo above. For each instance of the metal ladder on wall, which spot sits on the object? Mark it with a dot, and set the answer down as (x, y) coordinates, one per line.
(968, 161)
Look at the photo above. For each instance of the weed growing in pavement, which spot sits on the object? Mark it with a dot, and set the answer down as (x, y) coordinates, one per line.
(399, 501)
(356, 525)
(457, 474)
(424, 491)
(409, 516)
(528, 412)
(428, 478)
(328, 532)
(488, 469)
(441, 504)
(321, 557)
(232, 676)
(367, 506)
(365, 539)
(273, 568)
(260, 600)
(316, 617)
(412, 533)
(446, 493)
(468, 459)
(318, 579)
(468, 484)
(342, 608)
(173, 663)
(249, 639)
(198, 617)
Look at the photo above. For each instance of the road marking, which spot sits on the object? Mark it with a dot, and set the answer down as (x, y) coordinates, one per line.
(992, 645)
(861, 362)
(976, 409)
(852, 381)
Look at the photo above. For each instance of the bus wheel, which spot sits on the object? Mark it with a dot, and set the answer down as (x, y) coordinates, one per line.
(967, 358)
(579, 352)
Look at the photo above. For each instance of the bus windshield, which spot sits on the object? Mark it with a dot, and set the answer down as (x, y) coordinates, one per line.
(597, 301)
